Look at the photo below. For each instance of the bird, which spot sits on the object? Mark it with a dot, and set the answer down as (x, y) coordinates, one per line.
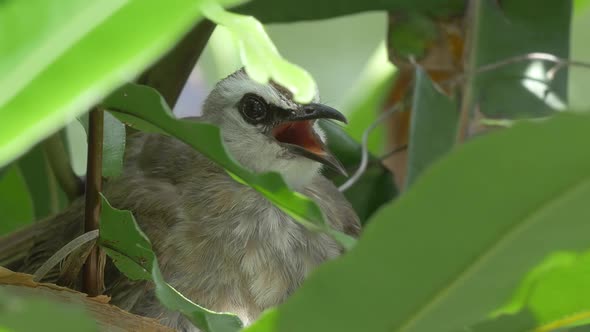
(218, 242)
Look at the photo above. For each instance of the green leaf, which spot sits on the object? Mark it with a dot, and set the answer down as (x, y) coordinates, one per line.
(440, 259)
(132, 253)
(113, 147)
(412, 35)
(65, 44)
(521, 322)
(557, 288)
(580, 6)
(433, 126)
(22, 314)
(40, 182)
(375, 188)
(140, 105)
(260, 56)
(364, 111)
(513, 28)
(16, 207)
(290, 11)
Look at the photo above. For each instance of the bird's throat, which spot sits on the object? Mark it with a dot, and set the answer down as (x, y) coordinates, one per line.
(299, 133)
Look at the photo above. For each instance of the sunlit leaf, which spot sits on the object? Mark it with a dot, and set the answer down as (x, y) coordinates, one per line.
(558, 288)
(260, 56)
(455, 246)
(132, 253)
(143, 108)
(370, 95)
(56, 61)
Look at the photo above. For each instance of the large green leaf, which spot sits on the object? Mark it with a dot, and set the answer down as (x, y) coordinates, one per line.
(455, 245)
(131, 251)
(57, 58)
(142, 107)
(289, 11)
(433, 126)
(513, 28)
(375, 188)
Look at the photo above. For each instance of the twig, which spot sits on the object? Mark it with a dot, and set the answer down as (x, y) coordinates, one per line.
(59, 160)
(93, 273)
(560, 62)
(470, 70)
(63, 252)
(365, 150)
(389, 154)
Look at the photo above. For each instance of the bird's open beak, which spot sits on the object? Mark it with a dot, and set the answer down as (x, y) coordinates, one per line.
(295, 131)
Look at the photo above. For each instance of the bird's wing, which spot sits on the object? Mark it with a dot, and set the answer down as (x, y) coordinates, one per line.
(335, 206)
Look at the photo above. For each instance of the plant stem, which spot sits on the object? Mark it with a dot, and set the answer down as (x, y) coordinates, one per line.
(470, 63)
(93, 278)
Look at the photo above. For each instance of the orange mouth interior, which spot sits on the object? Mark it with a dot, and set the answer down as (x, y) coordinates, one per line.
(298, 133)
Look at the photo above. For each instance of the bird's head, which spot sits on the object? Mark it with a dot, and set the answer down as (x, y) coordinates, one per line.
(265, 130)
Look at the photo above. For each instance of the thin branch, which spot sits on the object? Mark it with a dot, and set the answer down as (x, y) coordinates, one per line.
(59, 160)
(470, 70)
(391, 153)
(365, 149)
(560, 62)
(93, 269)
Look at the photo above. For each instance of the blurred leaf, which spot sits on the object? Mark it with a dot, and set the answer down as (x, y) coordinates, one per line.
(113, 146)
(433, 126)
(260, 56)
(520, 297)
(439, 259)
(289, 11)
(413, 33)
(18, 314)
(521, 322)
(375, 188)
(513, 28)
(16, 208)
(558, 288)
(141, 105)
(43, 42)
(365, 111)
(40, 182)
(580, 6)
(132, 253)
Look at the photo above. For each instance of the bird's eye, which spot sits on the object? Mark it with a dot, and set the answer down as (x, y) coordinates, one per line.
(253, 108)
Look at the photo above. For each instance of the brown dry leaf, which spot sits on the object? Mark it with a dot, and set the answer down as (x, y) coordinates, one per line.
(109, 317)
